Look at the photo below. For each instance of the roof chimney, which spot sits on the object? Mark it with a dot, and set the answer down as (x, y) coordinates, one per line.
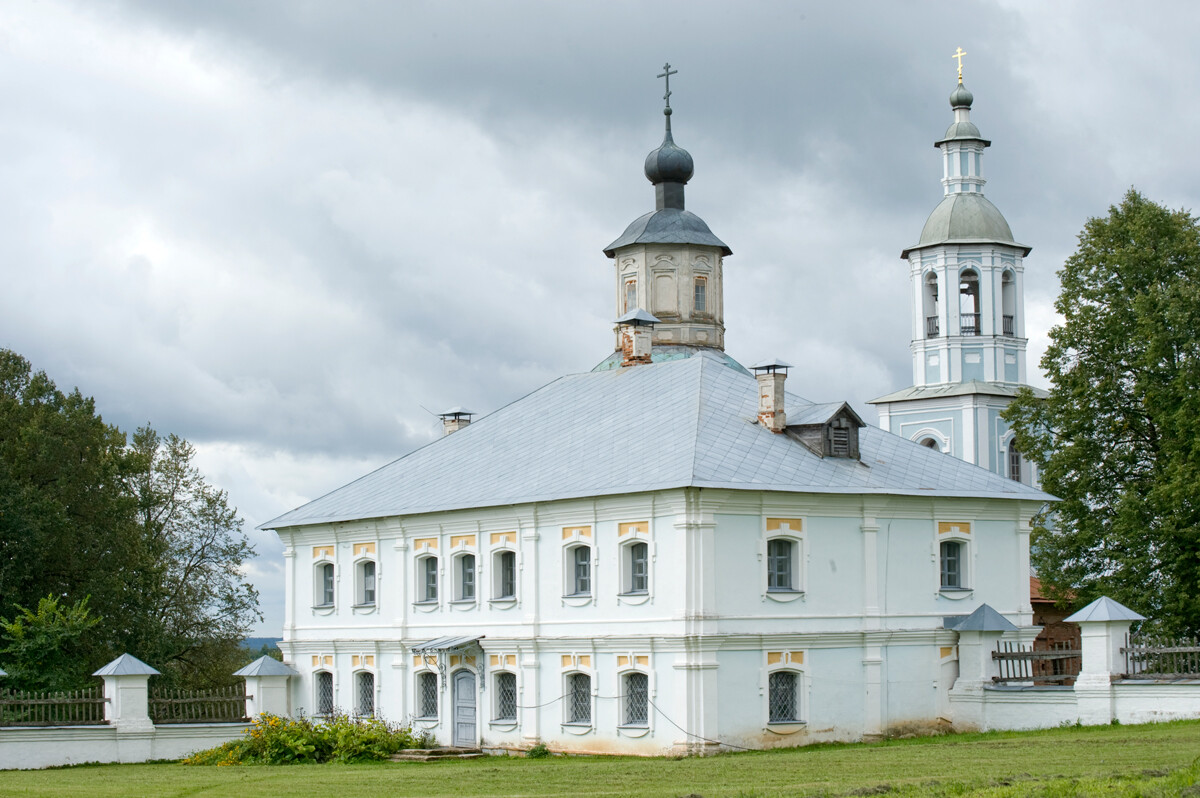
(770, 375)
(455, 419)
(636, 327)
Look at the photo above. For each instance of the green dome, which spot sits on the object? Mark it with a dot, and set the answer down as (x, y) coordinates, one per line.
(965, 218)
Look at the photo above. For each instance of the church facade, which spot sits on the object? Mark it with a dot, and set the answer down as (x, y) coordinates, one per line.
(968, 345)
(668, 553)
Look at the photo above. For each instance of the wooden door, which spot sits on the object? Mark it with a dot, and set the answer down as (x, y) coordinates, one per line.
(464, 710)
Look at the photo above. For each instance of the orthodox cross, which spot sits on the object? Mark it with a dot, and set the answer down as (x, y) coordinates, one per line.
(667, 73)
(959, 54)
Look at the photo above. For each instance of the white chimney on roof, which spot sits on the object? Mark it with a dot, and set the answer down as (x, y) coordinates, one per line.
(771, 375)
(636, 327)
(455, 419)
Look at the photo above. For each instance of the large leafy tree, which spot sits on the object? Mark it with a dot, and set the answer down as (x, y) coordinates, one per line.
(129, 526)
(1118, 439)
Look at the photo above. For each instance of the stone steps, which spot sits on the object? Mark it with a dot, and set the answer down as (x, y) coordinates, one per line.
(434, 754)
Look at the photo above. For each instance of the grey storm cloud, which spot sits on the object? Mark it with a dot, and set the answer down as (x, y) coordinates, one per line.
(289, 230)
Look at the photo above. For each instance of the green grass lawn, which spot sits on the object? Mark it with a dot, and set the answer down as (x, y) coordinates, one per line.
(1151, 760)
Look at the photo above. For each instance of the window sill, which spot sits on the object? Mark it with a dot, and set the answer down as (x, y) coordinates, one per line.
(785, 727)
(426, 723)
(324, 609)
(784, 596)
(577, 728)
(506, 725)
(633, 731)
(364, 609)
(462, 604)
(577, 599)
(425, 606)
(503, 603)
(955, 593)
(633, 598)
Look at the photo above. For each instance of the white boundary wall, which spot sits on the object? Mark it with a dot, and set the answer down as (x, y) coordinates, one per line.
(27, 748)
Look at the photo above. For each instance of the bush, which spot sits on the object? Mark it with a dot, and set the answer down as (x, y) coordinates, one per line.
(539, 751)
(272, 740)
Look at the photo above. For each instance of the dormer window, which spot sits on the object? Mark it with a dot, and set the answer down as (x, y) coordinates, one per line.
(828, 430)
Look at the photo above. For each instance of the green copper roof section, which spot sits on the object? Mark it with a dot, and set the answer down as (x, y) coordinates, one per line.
(966, 218)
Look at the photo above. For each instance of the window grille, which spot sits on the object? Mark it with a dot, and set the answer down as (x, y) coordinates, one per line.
(782, 697)
(639, 561)
(506, 696)
(466, 569)
(582, 558)
(427, 695)
(701, 298)
(779, 565)
(429, 565)
(508, 575)
(368, 583)
(637, 698)
(579, 707)
(324, 693)
(327, 584)
(366, 694)
(951, 564)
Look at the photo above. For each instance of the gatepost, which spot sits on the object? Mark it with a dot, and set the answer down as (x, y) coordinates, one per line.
(1103, 626)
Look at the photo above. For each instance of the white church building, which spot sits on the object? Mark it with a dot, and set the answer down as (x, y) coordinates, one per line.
(670, 553)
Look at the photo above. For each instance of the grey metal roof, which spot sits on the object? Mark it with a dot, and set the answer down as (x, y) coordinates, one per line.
(661, 353)
(955, 389)
(1105, 609)
(448, 643)
(984, 619)
(773, 363)
(820, 414)
(667, 226)
(126, 665)
(638, 316)
(686, 422)
(266, 666)
(966, 218)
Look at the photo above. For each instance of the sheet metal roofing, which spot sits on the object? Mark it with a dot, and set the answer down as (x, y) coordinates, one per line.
(667, 226)
(266, 666)
(673, 424)
(126, 665)
(1105, 609)
(955, 389)
(966, 218)
(984, 619)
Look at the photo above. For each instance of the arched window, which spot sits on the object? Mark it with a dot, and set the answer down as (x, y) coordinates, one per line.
(637, 568)
(780, 564)
(364, 683)
(578, 565)
(631, 302)
(1014, 461)
(930, 305)
(700, 295)
(365, 578)
(952, 564)
(324, 689)
(579, 699)
(427, 695)
(506, 696)
(930, 443)
(1008, 303)
(464, 577)
(636, 691)
(323, 584)
(504, 574)
(783, 704)
(968, 302)
(427, 579)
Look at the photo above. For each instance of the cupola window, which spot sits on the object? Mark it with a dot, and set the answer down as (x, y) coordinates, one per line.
(700, 293)
(968, 307)
(631, 302)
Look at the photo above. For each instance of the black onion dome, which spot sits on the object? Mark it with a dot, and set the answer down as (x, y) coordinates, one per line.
(670, 163)
(961, 98)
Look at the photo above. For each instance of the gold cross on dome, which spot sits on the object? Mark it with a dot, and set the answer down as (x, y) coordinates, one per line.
(960, 52)
(667, 73)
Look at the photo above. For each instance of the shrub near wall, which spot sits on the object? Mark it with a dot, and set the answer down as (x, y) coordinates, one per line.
(273, 740)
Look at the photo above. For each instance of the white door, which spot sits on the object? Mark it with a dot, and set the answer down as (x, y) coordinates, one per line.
(464, 710)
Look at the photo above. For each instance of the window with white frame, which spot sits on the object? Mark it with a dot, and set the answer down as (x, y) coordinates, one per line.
(781, 565)
(504, 574)
(427, 695)
(951, 552)
(636, 568)
(323, 585)
(364, 694)
(783, 697)
(578, 566)
(579, 699)
(506, 696)
(427, 579)
(700, 295)
(635, 688)
(323, 685)
(364, 578)
(464, 577)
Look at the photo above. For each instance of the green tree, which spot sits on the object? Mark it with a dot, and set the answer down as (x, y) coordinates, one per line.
(1118, 439)
(46, 649)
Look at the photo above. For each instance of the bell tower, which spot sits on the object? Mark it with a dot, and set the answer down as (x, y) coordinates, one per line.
(966, 289)
(668, 262)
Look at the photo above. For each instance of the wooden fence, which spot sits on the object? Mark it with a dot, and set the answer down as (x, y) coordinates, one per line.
(1152, 658)
(67, 708)
(1017, 663)
(226, 704)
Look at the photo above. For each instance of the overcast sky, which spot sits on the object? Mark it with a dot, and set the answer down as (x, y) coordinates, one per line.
(286, 229)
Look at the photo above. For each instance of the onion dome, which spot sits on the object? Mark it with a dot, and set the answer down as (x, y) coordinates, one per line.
(669, 163)
(960, 97)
